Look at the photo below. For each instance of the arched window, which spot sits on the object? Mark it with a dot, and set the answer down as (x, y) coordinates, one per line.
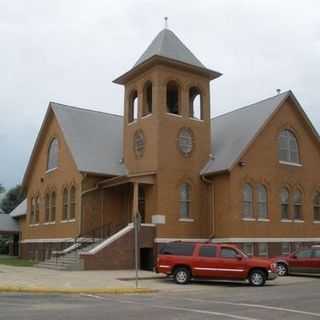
(288, 147)
(316, 207)
(195, 103)
(37, 211)
(284, 203)
(133, 106)
(262, 197)
(53, 207)
(247, 201)
(147, 98)
(72, 202)
(65, 214)
(173, 97)
(185, 200)
(53, 154)
(33, 211)
(47, 208)
(297, 205)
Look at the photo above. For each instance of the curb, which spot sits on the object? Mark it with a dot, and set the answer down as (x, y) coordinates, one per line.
(75, 290)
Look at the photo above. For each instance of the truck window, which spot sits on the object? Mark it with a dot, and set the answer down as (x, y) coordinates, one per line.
(228, 253)
(207, 251)
(178, 249)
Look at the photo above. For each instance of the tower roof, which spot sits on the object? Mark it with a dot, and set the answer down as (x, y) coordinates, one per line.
(166, 44)
(168, 48)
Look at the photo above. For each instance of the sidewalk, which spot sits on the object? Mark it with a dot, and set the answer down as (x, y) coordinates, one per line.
(30, 278)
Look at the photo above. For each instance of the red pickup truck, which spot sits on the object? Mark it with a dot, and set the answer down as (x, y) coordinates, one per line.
(213, 261)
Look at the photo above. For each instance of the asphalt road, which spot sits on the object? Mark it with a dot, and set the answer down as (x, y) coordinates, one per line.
(287, 300)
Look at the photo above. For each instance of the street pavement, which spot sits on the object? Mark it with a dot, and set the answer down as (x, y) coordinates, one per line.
(286, 298)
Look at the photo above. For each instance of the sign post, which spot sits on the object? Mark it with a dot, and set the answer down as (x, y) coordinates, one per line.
(137, 226)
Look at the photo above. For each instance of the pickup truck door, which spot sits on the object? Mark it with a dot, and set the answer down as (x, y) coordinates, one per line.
(231, 264)
(316, 261)
(301, 262)
(205, 262)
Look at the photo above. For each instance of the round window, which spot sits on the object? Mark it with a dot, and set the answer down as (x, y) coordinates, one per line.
(185, 141)
(139, 143)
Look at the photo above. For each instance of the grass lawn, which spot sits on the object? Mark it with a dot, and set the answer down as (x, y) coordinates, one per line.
(15, 262)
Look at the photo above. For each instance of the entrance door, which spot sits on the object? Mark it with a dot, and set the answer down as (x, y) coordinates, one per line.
(146, 259)
(141, 203)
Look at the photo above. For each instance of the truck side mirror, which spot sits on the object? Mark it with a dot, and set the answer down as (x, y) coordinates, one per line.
(239, 256)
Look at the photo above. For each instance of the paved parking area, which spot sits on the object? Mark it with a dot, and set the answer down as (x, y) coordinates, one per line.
(286, 298)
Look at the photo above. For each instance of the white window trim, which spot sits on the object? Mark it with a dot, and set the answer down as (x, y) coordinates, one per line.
(186, 220)
(316, 221)
(286, 220)
(249, 219)
(133, 122)
(174, 115)
(263, 219)
(196, 119)
(67, 221)
(294, 164)
(146, 115)
(51, 170)
(34, 224)
(298, 221)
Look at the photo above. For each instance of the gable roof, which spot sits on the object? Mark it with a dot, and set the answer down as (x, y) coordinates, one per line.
(94, 139)
(8, 224)
(232, 132)
(167, 44)
(20, 210)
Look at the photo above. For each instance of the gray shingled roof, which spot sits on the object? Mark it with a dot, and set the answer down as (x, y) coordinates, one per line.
(20, 210)
(232, 132)
(167, 44)
(8, 224)
(94, 138)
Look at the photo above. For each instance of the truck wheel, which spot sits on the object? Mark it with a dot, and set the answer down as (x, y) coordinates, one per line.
(182, 275)
(282, 269)
(257, 278)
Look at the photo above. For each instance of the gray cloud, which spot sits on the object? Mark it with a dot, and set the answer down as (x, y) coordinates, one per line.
(70, 51)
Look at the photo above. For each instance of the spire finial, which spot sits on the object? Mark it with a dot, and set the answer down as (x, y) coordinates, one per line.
(166, 22)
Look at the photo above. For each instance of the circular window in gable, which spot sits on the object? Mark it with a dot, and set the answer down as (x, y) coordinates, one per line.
(139, 143)
(185, 141)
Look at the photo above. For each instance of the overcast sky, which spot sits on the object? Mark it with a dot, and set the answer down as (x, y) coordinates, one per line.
(69, 51)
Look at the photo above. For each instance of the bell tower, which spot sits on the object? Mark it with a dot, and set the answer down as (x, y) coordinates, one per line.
(167, 129)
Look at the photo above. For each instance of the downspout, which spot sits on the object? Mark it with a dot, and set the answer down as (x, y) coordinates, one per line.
(211, 206)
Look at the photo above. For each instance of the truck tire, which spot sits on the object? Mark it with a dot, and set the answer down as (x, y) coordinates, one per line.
(282, 269)
(182, 275)
(257, 278)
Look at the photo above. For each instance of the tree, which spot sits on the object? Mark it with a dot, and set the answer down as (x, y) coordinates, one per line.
(2, 189)
(12, 199)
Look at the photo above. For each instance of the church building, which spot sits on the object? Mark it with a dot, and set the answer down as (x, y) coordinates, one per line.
(248, 177)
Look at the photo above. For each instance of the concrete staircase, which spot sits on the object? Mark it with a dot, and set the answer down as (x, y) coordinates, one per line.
(70, 261)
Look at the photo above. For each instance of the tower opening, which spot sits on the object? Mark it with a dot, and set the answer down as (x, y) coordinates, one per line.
(133, 106)
(195, 103)
(173, 97)
(147, 98)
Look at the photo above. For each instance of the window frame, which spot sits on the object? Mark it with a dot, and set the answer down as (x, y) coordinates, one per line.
(247, 203)
(72, 203)
(47, 208)
(297, 205)
(53, 154)
(316, 207)
(285, 153)
(251, 246)
(263, 253)
(53, 207)
(262, 200)
(65, 204)
(284, 204)
(185, 202)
